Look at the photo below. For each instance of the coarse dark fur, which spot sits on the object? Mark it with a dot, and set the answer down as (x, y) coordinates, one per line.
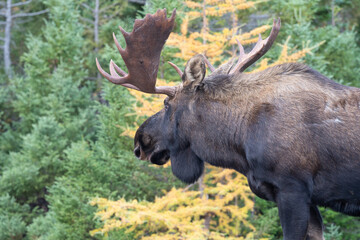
(292, 132)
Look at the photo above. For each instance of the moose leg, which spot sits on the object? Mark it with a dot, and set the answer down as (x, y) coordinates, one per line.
(294, 214)
(315, 227)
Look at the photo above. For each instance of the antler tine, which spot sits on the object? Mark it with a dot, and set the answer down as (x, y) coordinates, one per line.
(178, 70)
(142, 54)
(117, 68)
(261, 47)
(211, 67)
(124, 33)
(114, 79)
(121, 50)
(241, 49)
(113, 72)
(168, 90)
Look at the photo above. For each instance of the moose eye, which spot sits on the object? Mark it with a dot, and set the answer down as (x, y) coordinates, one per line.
(166, 102)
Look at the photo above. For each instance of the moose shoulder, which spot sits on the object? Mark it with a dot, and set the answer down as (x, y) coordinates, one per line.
(291, 131)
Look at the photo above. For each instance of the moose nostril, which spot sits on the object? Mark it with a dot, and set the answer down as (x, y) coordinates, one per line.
(137, 152)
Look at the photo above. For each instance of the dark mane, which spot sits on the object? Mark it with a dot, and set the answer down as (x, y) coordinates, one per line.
(300, 69)
(219, 86)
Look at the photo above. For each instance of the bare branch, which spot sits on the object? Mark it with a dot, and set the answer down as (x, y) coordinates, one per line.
(86, 6)
(88, 27)
(138, 1)
(2, 23)
(2, 39)
(188, 186)
(30, 14)
(21, 3)
(111, 16)
(107, 7)
(22, 21)
(87, 20)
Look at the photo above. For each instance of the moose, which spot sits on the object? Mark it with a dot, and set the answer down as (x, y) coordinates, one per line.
(294, 133)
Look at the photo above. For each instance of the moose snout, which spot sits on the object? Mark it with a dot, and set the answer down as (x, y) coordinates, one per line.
(137, 151)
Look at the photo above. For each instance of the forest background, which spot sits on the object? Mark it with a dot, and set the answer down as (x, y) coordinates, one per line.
(67, 170)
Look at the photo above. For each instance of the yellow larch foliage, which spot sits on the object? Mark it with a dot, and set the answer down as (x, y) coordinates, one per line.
(285, 57)
(228, 6)
(191, 4)
(190, 44)
(180, 214)
(220, 7)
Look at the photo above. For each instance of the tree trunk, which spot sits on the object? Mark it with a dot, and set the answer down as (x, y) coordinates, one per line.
(332, 13)
(96, 38)
(9, 16)
(201, 185)
(204, 197)
(205, 22)
(234, 26)
(7, 39)
(162, 71)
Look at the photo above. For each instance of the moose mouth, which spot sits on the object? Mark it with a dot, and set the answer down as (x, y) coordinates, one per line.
(159, 157)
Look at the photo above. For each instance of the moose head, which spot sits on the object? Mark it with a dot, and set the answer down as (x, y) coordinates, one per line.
(290, 130)
(174, 132)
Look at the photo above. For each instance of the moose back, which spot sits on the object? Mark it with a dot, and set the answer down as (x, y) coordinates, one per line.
(291, 131)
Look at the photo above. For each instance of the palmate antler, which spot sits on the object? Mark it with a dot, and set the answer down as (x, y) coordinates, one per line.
(143, 49)
(142, 54)
(261, 47)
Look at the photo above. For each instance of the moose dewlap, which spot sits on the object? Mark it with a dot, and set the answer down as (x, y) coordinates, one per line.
(291, 131)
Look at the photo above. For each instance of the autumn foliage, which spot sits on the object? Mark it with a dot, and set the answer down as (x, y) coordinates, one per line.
(208, 42)
(219, 212)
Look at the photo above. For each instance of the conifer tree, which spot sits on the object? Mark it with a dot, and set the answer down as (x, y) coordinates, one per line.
(95, 14)
(10, 12)
(58, 163)
(54, 109)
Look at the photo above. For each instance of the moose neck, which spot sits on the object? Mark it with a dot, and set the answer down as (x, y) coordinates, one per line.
(214, 130)
(220, 115)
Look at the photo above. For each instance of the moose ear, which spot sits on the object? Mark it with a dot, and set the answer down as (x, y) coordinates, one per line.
(195, 71)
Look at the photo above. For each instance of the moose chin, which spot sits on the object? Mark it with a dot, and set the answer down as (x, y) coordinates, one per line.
(294, 133)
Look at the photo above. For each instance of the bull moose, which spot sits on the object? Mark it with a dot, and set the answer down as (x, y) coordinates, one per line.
(294, 133)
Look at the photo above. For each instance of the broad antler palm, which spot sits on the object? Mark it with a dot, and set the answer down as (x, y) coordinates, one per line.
(143, 49)
(142, 54)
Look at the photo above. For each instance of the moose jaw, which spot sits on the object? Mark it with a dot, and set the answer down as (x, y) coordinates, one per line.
(290, 130)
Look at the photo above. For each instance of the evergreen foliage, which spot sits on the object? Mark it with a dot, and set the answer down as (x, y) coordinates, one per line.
(13, 218)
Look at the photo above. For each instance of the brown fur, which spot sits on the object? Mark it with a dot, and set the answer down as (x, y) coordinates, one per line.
(278, 80)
